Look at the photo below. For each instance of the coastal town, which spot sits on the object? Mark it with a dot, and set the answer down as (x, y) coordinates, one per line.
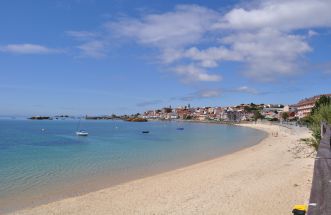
(237, 113)
(242, 112)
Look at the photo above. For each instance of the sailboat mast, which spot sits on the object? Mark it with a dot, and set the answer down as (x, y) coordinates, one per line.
(78, 126)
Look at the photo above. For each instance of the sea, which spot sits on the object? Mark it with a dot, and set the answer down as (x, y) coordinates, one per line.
(44, 161)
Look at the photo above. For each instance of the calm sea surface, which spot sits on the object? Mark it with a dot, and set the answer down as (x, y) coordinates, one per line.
(40, 166)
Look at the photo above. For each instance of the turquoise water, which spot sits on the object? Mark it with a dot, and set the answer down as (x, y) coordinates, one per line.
(39, 166)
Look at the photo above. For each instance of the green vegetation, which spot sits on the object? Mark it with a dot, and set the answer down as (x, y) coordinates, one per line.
(304, 121)
(285, 116)
(136, 119)
(310, 142)
(323, 100)
(257, 115)
(252, 108)
(273, 119)
(187, 117)
(321, 112)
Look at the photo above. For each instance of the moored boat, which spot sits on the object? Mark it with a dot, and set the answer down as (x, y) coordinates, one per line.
(81, 133)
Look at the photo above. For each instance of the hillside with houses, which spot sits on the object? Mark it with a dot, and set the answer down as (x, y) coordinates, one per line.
(242, 112)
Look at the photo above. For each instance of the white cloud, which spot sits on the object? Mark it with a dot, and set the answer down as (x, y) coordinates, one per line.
(210, 93)
(171, 32)
(93, 44)
(312, 33)
(245, 89)
(268, 54)
(95, 49)
(265, 54)
(262, 37)
(279, 14)
(191, 73)
(183, 26)
(27, 49)
(207, 58)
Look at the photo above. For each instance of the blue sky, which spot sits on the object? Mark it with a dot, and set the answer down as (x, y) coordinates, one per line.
(119, 56)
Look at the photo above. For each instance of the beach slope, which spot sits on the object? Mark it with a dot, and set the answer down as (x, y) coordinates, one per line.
(268, 178)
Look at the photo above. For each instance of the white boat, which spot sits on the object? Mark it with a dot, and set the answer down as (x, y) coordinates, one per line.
(81, 133)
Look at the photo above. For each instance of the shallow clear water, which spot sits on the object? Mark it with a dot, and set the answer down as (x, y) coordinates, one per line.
(37, 166)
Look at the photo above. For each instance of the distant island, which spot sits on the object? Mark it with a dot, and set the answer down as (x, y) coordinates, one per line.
(128, 118)
(41, 118)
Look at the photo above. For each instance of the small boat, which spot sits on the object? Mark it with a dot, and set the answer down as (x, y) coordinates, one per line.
(145, 132)
(180, 129)
(81, 133)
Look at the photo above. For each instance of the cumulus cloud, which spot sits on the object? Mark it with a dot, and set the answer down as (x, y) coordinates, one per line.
(245, 89)
(95, 49)
(27, 49)
(265, 54)
(190, 73)
(207, 58)
(185, 25)
(312, 33)
(268, 53)
(279, 14)
(170, 32)
(263, 38)
(93, 44)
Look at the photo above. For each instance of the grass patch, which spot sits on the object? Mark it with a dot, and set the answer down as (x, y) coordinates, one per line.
(310, 142)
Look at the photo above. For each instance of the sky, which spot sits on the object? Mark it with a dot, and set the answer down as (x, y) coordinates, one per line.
(99, 57)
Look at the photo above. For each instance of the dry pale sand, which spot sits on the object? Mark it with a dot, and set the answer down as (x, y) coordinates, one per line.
(268, 178)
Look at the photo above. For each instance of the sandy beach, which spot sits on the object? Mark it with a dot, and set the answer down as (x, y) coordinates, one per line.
(268, 178)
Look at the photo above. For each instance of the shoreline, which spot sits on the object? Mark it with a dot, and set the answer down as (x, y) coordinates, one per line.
(183, 190)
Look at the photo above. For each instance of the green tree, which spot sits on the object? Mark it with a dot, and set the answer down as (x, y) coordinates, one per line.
(167, 110)
(323, 100)
(253, 105)
(285, 116)
(247, 109)
(323, 113)
(187, 117)
(257, 115)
